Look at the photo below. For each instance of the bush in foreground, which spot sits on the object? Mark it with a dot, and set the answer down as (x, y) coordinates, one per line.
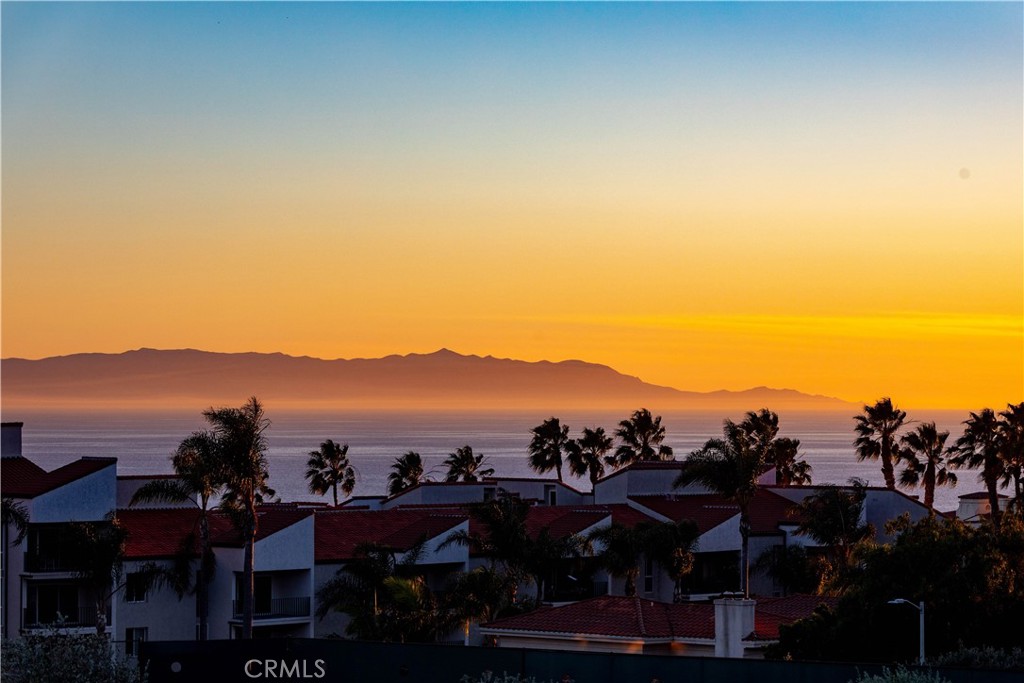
(982, 658)
(900, 675)
(505, 677)
(59, 657)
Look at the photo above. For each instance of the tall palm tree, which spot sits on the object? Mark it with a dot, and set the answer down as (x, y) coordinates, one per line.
(930, 469)
(641, 436)
(328, 469)
(406, 472)
(669, 544)
(200, 469)
(621, 549)
(1011, 433)
(550, 439)
(464, 466)
(876, 436)
(980, 446)
(790, 469)
(586, 454)
(479, 595)
(241, 435)
(729, 466)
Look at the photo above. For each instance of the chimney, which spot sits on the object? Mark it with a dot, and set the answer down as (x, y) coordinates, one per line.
(734, 621)
(10, 439)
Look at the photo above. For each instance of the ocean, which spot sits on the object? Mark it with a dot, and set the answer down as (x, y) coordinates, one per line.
(144, 441)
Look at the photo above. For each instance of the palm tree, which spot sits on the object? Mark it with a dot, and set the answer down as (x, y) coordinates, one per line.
(876, 436)
(832, 517)
(641, 437)
(240, 433)
(407, 471)
(328, 469)
(479, 595)
(789, 471)
(99, 547)
(620, 555)
(15, 514)
(550, 439)
(586, 454)
(1011, 433)
(729, 466)
(930, 468)
(464, 466)
(200, 470)
(671, 545)
(980, 447)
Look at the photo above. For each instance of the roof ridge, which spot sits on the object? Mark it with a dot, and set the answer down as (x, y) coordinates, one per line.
(640, 615)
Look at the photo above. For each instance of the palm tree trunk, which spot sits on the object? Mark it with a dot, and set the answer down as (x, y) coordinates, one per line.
(887, 469)
(203, 585)
(631, 582)
(929, 489)
(744, 553)
(248, 573)
(335, 490)
(558, 469)
(993, 496)
(101, 618)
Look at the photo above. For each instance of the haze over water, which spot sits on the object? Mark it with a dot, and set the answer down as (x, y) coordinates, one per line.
(144, 441)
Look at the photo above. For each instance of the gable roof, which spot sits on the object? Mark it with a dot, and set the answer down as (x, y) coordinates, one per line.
(339, 532)
(638, 619)
(22, 478)
(767, 511)
(162, 532)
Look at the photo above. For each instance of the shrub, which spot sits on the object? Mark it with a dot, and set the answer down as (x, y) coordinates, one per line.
(900, 675)
(59, 657)
(982, 658)
(505, 677)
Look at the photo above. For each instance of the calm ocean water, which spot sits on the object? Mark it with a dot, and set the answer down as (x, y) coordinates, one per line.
(144, 441)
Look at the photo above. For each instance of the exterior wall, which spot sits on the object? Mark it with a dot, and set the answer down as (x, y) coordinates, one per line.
(437, 494)
(222, 591)
(88, 499)
(881, 506)
(570, 644)
(453, 554)
(126, 488)
(333, 623)
(761, 583)
(289, 548)
(725, 536)
(165, 615)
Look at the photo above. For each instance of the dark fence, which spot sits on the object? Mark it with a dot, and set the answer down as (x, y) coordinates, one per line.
(345, 661)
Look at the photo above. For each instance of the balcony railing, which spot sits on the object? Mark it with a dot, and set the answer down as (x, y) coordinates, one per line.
(66, 618)
(276, 608)
(52, 563)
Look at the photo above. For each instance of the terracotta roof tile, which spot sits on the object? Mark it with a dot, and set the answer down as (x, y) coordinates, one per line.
(635, 618)
(22, 478)
(339, 532)
(707, 510)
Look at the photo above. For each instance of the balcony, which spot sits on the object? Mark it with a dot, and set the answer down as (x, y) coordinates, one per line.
(35, 563)
(80, 617)
(276, 608)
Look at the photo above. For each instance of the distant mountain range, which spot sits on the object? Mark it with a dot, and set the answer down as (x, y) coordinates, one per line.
(441, 380)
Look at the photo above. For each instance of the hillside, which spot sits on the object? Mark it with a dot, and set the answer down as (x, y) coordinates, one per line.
(443, 379)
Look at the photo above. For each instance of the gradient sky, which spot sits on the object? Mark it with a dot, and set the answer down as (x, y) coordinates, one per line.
(825, 197)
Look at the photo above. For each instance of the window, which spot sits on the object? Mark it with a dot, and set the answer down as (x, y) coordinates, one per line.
(550, 495)
(135, 587)
(648, 575)
(132, 638)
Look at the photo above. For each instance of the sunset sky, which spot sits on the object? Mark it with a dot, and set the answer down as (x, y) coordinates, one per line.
(825, 197)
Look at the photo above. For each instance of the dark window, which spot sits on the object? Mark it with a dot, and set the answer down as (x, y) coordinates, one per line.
(648, 575)
(132, 638)
(135, 587)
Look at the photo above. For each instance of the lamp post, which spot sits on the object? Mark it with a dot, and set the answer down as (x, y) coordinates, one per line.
(919, 608)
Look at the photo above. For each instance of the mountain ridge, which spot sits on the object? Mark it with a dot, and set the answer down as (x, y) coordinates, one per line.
(440, 379)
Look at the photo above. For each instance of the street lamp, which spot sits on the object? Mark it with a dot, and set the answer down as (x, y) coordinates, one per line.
(919, 608)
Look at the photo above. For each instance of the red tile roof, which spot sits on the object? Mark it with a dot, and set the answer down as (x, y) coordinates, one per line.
(767, 511)
(154, 533)
(635, 618)
(162, 532)
(339, 532)
(22, 478)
